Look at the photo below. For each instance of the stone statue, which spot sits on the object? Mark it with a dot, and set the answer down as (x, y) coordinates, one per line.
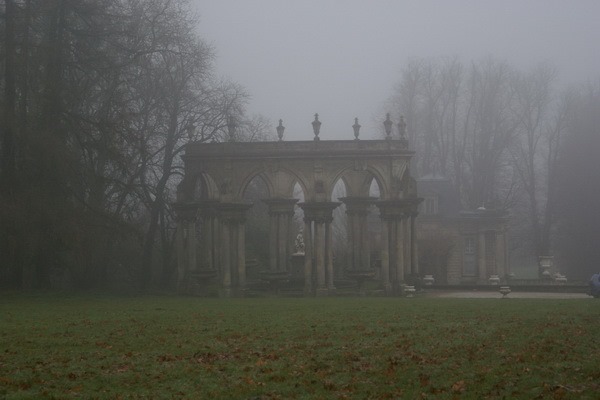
(299, 244)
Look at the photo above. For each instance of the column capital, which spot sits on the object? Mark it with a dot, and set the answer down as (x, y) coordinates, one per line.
(280, 205)
(358, 204)
(319, 211)
(185, 211)
(395, 209)
(207, 208)
(233, 212)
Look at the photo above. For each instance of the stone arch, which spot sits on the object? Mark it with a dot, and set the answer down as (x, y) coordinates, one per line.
(361, 181)
(200, 186)
(378, 188)
(286, 179)
(334, 187)
(249, 177)
(209, 184)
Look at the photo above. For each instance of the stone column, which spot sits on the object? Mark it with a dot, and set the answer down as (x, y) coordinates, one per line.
(318, 217)
(241, 255)
(308, 257)
(282, 242)
(408, 267)
(399, 244)
(329, 258)
(385, 256)
(400, 231)
(500, 261)
(320, 255)
(206, 216)
(365, 249)
(233, 251)
(481, 258)
(273, 235)
(281, 211)
(290, 239)
(357, 209)
(413, 240)
(225, 257)
(181, 255)
(186, 214)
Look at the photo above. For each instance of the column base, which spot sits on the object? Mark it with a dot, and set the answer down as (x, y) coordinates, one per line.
(387, 289)
(397, 288)
(308, 292)
(225, 292)
(322, 292)
(239, 292)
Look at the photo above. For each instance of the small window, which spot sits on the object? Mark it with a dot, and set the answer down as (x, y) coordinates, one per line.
(470, 245)
(470, 256)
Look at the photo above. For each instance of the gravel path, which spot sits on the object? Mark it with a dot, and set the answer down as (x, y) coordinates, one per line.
(514, 295)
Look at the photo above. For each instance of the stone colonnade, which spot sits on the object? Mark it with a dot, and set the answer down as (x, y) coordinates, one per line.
(215, 210)
(220, 252)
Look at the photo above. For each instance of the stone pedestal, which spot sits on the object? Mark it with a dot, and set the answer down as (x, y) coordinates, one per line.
(297, 267)
(545, 264)
(428, 280)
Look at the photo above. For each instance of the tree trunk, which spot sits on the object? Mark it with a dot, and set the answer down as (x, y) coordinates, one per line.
(158, 204)
(8, 166)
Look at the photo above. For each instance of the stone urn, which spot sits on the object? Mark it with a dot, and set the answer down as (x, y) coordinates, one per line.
(428, 280)
(504, 291)
(560, 278)
(545, 264)
(494, 280)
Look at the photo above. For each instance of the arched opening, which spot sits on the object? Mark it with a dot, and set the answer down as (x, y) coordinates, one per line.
(374, 227)
(204, 188)
(357, 229)
(339, 226)
(257, 227)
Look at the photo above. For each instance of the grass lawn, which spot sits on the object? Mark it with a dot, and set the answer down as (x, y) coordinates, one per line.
(283, 348)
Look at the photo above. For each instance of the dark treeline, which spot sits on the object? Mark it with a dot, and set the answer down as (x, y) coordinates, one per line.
(510, 139)
(97, 100)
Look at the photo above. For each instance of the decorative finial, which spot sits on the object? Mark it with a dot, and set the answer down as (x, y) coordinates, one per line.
(388, 126)
(402, 127)
(356, 128)
(280, 128)
(231, 125)
(316, 127)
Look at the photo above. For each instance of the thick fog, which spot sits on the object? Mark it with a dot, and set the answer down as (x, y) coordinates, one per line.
(342, 58)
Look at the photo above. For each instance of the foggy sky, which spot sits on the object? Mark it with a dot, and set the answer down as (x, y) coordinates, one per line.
(342, 58)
